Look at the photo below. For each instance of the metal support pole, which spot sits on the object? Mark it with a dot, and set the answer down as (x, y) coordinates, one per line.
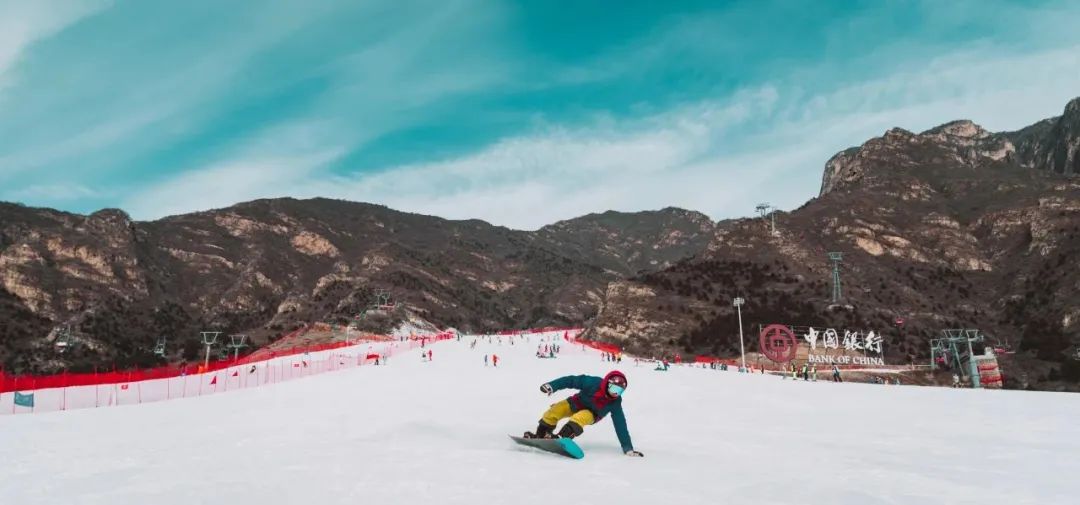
(742, 346)
(975, 380)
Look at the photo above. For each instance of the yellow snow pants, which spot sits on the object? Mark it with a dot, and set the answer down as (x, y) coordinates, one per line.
(561, 410)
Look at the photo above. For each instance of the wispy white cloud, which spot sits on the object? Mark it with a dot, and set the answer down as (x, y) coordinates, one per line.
(279, 162)
(697, 156)
(712, 150)
(117, 106)
(55, 193)
(24, 23)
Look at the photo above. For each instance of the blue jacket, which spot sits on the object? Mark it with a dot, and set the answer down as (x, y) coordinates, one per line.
(588, 387)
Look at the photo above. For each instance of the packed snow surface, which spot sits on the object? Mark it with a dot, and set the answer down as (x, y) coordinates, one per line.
(415, 432)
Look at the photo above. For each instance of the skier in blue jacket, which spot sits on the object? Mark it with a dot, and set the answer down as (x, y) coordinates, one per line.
(596, 398)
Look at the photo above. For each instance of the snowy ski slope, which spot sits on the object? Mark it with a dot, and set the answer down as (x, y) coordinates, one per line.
(434, 433)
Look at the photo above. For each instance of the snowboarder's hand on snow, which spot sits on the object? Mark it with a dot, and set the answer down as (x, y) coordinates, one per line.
(635, 453)
(546, 388)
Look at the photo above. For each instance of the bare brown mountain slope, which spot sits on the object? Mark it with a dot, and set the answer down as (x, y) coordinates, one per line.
(266, 267)
(953, 227)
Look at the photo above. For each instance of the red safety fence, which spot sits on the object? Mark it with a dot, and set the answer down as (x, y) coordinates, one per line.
(714, 359)
(51, 393)
(600, 346)
(546, 329)
(9, 383)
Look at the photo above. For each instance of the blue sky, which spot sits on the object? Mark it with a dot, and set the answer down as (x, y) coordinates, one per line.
(519, 112)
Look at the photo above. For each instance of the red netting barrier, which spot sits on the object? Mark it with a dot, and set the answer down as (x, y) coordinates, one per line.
(600, 346)
(10, 383)
(546, 329)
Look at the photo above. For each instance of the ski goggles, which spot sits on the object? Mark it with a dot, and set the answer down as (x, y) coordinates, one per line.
(615, 389)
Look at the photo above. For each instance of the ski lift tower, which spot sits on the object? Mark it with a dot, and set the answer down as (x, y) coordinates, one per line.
(382, 301)
(63, 340)
(836, 258)
(766, 211)
(159, 349)
(955, 346)
(209, 338)
(237, 342)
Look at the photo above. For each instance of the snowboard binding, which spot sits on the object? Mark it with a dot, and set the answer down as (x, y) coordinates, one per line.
(543, 430)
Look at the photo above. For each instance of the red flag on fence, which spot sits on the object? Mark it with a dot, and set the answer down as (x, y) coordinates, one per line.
(213, 382)
(123, 387)
(236, 373)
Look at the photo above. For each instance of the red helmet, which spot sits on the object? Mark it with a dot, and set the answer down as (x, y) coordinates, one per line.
(614, 384)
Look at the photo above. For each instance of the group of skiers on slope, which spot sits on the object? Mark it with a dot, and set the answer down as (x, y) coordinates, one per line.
(494, 360)
(596, 398)
(547, 350)
(809, 372)
(614, 357)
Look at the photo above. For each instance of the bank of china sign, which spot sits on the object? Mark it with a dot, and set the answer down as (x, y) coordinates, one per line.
(853, 343)
(780, 344)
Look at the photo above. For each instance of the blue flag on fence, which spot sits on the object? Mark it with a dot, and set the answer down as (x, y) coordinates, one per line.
(24, 400)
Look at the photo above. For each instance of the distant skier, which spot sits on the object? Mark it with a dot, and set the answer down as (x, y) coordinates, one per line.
(836, 374)
(495, 360)
(485, 360)
(429, 355)
(596, 398)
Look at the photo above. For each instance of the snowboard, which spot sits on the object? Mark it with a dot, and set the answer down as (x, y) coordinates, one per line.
(562, 446)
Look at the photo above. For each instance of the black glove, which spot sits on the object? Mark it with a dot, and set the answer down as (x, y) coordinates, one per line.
(546, 388)
(635, 453)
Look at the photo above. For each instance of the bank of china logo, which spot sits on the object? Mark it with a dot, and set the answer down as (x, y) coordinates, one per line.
(778, 343)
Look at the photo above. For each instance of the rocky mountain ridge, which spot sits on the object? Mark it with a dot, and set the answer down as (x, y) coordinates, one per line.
(955, 227)
(266, 267)
(952, 227)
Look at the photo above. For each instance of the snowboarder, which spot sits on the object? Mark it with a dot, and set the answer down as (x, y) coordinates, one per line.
(596, 398)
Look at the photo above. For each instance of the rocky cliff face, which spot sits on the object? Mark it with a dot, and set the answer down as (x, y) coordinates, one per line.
(953, 227)
(1053, 144)
(263, 268)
